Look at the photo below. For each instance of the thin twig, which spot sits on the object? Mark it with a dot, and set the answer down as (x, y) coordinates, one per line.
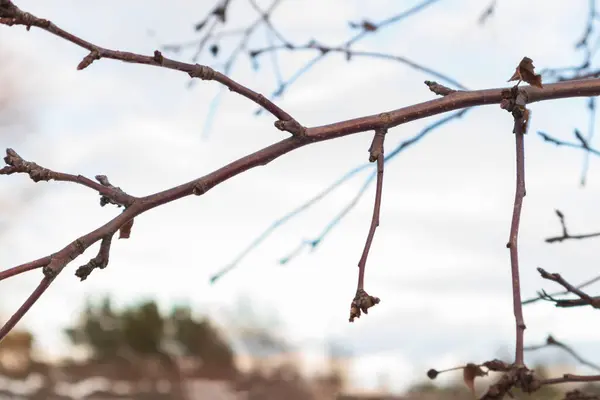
(376, 155)
(513, 241)
(551, 341)
(110, 194)
(580, 145)
(356, 53)
(571, 378)
(362, 300)
(580, 286)
(313, 243)
(26, 306)
(570, 288)
(39, 263)
(12, 15)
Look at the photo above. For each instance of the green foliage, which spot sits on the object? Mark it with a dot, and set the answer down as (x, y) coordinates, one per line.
(142, 330)
(99, 329)
(200, 338)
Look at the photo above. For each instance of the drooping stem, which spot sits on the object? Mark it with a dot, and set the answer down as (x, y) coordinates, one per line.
(512, 243)
(376, 154)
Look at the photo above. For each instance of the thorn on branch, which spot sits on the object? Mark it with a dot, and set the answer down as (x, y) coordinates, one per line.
(552, 342)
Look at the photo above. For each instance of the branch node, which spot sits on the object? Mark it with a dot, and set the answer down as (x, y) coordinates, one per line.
(439, 89)
(376, 148)
(17, 164)
(104, 200)
(203, 72)
(386, 119)
(89, 59)
(158, 57)
(100, 261)
(200, 188)
(362, 302)
(292, 126)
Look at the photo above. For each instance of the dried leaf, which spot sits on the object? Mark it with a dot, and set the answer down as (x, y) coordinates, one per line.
(525, 72)
(496, 365)
(470, 372)
(125, 230)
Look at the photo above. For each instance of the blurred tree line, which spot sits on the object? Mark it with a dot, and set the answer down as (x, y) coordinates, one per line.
(158, 355)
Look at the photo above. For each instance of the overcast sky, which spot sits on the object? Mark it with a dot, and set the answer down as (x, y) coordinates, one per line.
(438, 262)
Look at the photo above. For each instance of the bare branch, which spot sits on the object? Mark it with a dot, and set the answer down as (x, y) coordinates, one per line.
(592, 301)
(363, 301)
(565, 233)
(110, 194)
(552, 342)
(571, 378)
(580, 286)
(21, 311)
(39, 263)
(313, 243)
(11, 15)
(582, 145)
(516, 105)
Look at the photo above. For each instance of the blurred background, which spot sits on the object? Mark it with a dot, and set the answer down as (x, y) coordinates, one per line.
(275, 322)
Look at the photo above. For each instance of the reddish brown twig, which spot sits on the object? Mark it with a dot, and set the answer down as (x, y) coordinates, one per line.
(586, 298)
(565, 232)
(516, 105)
(39, 263)
(110, 194)
(571, 378)
(26, 306)
(552, 342)
(580, 286)
(12, 15)
(362, 300)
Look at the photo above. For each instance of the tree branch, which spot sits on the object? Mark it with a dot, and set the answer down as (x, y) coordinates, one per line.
(12, 15)
(362, 300)
(520, 114)
(592, 301)
(565, 233)
(551, 341)
(110, 194)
